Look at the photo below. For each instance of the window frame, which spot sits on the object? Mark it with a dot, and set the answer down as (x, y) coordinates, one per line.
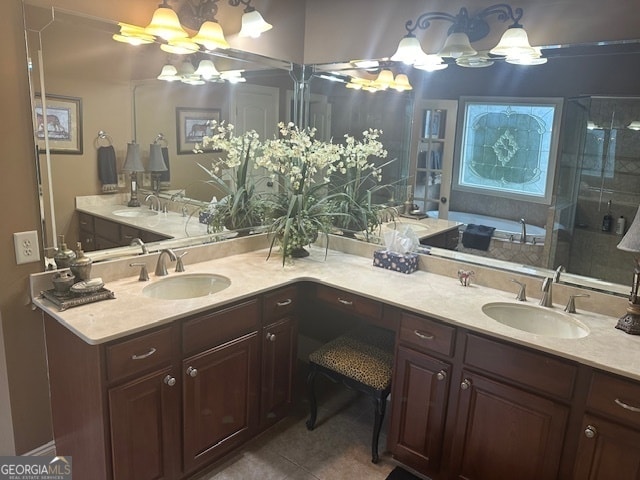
(556, 103)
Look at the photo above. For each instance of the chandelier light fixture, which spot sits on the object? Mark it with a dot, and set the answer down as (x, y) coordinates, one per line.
(513, 47)
(198, 15)
(384, 81)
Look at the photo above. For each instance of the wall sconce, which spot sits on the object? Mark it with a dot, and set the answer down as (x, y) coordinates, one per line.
(206, 72)
(156, 165)
(513, 46)
(198, 15)
(384, 81)
(133, 165)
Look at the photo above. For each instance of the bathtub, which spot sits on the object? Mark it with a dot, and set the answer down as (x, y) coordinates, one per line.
(509, 230)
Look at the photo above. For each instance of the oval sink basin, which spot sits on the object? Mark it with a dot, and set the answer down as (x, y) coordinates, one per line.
(538, 320)
(135, 213)
(186, 286)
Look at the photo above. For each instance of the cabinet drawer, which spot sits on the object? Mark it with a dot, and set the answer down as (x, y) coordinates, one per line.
(280, 303)
(107, 230)
(426, 335)
(541, 372)
(349, 302)
(215, 328)
(615, 397)
(85, 221)
(138, 354)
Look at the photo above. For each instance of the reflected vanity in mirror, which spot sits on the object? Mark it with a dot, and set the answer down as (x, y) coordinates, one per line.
(121, 93)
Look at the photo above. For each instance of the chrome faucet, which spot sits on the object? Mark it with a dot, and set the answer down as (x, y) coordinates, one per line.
(137, 241)
(547, 299)
(522, 293)
(161, 266)
(523, 234)
(559, 270)
(149, 198)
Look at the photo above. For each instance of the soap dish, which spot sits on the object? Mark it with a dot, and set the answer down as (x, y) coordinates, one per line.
(86, 287)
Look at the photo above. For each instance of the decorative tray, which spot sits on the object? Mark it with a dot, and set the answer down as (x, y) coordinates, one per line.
(71, 299)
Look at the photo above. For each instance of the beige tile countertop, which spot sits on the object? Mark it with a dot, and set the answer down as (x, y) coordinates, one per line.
(423, 292)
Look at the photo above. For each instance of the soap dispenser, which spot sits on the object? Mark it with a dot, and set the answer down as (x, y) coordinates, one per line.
(64, 255)
(607, 220)
(81, 265)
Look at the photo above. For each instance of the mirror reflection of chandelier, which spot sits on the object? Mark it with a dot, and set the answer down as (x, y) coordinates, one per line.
(197, 15)
(513, 47)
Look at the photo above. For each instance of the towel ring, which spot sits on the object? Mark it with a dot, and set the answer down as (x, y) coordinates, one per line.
(103, 140)
(161, 140)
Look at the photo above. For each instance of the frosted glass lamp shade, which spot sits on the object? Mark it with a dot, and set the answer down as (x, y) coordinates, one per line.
(631, 241)
(384, 79)
(635, 125)
(156, 160)
(409, 51)
(457, 45)
(402, 83)
(169, 73)
(133, 35)
(514, 43)
(207, 70)
(180, 46)
(211, 36)
(132, 162)
(165, 24)
(253, 24)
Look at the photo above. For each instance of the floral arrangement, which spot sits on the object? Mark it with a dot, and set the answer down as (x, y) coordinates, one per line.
(242, 207)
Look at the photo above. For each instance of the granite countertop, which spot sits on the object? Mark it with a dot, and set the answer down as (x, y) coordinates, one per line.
(422, 292)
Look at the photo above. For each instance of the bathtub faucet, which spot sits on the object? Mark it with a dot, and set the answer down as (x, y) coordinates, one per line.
(523, 235)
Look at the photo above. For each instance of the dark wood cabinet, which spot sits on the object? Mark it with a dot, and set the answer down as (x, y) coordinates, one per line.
(279, 354)
(419, 401)
(503, 432)
(98, 233)
(144, 423)
(220, 400)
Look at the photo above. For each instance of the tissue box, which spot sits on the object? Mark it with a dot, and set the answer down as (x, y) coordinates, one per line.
(405, 263)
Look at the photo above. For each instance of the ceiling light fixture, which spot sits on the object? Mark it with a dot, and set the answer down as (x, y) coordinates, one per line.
(513, 47)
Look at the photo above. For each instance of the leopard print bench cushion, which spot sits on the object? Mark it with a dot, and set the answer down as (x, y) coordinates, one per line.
(364, 355)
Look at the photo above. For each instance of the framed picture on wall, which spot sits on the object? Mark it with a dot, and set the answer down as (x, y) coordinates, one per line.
(62, 124)
(192, 124)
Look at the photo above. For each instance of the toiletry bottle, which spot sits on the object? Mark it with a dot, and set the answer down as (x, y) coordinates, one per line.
(621, 225)
(64, 255)
(607, 220)
(81, 265)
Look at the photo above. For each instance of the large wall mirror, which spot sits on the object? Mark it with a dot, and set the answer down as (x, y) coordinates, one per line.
(596, 84)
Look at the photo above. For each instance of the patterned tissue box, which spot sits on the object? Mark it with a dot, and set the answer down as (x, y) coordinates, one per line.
(405, 263)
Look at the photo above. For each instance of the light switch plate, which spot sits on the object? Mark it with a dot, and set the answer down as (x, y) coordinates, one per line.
(121, 181)
(146, 179)
(26, 245)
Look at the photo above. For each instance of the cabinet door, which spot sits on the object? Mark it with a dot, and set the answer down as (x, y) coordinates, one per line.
(145, 431)
(419, 403)
(220, 400)
(607, 451)
(279, 349)
(504, 433)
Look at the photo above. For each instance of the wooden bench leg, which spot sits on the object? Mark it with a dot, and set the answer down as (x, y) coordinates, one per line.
(313, 406)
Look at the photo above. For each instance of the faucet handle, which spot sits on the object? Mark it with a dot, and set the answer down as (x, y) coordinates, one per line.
(179, 262)
(522, 293)
(571, 304)
(144, 274)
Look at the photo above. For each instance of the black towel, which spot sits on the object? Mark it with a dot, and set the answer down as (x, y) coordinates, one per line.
(477, 236)
(165, 176)
(107, 172)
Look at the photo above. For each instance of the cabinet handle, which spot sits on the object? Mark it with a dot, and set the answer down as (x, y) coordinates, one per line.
(626, 406)
(590, 431)
(271, 337)
(192, 372)
(144, 355)
(284, 303)
(466, 384)
(423, 336)
(345, 302)
(169, 380)
(441, 375)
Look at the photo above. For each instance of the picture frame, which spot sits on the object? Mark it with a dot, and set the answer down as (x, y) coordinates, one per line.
(64, 124)
(191, 125)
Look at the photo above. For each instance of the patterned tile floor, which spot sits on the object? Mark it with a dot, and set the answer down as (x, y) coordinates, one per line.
(338, 448)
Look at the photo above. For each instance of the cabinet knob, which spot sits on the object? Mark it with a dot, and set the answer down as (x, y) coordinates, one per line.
(590, 431)
(271, 337)
(441, 375)
(192, 372)
(466, 384)
(169, 380)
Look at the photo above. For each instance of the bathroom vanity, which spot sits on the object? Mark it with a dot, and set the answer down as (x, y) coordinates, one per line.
(185, 382)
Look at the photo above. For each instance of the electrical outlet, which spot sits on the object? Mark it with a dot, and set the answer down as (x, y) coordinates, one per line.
(146, 179)
(27, 249)
(121, 181)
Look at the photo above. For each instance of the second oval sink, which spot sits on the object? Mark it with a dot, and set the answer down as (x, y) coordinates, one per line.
(135, 213)
(191, 285)
(537, 320)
